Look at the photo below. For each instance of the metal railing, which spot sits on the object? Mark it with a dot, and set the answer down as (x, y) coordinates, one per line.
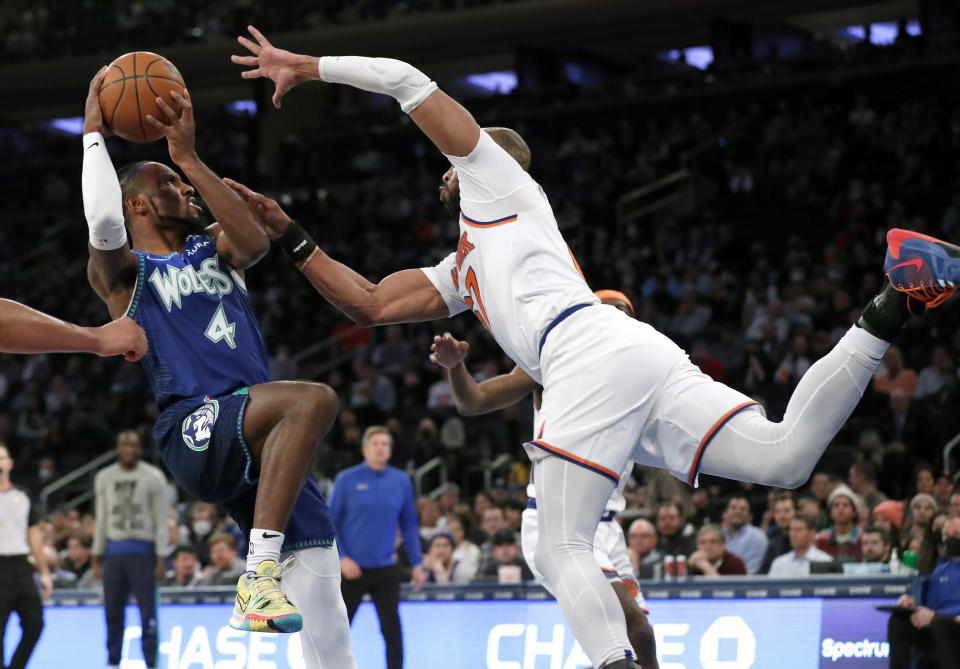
(499, 462)
(67, 479)
(426, 468)
(948, 450)
(651, 197)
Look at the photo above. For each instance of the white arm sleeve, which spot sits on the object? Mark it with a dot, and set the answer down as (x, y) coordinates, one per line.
(102, 199)
(441, 276)
(492, 183)
(401, 81)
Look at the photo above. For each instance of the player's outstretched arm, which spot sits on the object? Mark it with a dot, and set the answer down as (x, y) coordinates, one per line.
(447, 123)
(26, 330)
(474, 398)
(111, 259)
(403, 297)
(241, 241)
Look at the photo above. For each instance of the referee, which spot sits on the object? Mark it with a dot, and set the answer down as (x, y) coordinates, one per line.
(20, 525)
(370, 502)
(129, 543)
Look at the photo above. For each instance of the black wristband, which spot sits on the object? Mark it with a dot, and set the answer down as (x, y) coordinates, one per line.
(297, 243)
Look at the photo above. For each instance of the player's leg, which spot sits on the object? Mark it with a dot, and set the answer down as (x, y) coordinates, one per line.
(570, 501)
(116, 591)
(528, 544)
(29, 607)
(385, 592)
(751, 448)
(639, 629)
(313, 584)
(282, 423)
(144, 586)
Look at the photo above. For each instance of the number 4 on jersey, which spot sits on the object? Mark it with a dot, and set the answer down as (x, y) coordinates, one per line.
(219, 329)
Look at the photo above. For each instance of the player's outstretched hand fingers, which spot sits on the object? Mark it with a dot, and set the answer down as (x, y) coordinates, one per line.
(257, 35)
(182, 100)
(97, 80)
(244, 60)
(254, 48)
(278, 97)
(251, 74)
(167, 109)
(162, 127)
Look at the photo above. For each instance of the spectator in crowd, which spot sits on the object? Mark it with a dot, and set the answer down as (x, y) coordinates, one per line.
(79, 551)
(186, 569)
(841, 541)
(932, 622)
(642, 549)
(942, 490)
(924, 478)
(508, 564)
(923, 507)
(449, 498)
(746, 541)
(888, 516)
(875, 544)
(796, 563)
(513, 514)
(705, 512)
(955, 502)
(202, 522)
(465, 552)
(370, 503)
(442, 568)
(490, 523)
(891, 374)
(899, 422)
(712, 557)
(863, 481)
(62, 578)
(428, 511)
(821, 485)
(675, 535)
(939, 378)
(778, 534)
(225, 565)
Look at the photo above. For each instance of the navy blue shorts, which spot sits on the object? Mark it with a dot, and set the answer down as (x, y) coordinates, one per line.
(202, 444)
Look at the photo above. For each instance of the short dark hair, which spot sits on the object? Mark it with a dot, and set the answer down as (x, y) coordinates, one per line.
(514, 504)
(504, 536)
(873, 529)
(807, 520)
(128, 176)
(184, 548)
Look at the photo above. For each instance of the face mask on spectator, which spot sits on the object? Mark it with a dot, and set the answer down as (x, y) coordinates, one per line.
(951, 547)
(202, 527)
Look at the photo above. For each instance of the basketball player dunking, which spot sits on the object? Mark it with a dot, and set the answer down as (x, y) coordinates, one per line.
(513, 270)
(228, 436)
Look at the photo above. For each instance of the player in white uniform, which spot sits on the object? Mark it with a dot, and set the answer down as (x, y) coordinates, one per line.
(614, 388)
(609, 544)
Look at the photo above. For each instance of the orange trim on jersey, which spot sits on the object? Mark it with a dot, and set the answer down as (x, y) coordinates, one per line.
(570, 457)
(711, 433)
(540, 433)
(487, 224)
(576, 264)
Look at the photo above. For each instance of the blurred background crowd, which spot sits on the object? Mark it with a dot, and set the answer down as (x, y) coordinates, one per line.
(742, 204)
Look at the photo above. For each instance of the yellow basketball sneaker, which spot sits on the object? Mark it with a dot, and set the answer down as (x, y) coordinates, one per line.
(261, 605)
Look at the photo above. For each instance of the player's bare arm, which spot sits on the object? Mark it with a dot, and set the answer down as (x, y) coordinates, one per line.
(26, 330)
(112, 267)
(241, 241)
(441, 118)
(403, 297)
(474, 398)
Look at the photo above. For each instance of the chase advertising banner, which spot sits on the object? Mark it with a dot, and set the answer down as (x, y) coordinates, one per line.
(802, 633)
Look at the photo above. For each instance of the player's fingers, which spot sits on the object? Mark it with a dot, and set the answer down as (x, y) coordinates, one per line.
(181, 100)
(250, 74)
(162, 127)
(257, 35)
(165, 108)
(255, 48)
(277, 97)
(433, 358)
(244, 60)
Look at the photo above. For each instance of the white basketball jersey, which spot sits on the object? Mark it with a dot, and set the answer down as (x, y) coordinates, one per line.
(512, 267)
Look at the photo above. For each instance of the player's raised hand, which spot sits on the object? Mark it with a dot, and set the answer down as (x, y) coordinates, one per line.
(284, 68)
(122, 337)
(178, 126)
(447, 351)
(92, 114)
(268, 212)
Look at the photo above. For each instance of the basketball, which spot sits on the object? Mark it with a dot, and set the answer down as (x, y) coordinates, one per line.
(129, 91)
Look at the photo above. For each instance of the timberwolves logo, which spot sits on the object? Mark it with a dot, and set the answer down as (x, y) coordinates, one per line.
(198, 426)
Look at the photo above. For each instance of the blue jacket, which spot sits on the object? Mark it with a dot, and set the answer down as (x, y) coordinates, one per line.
(368, 506)
(943, 589)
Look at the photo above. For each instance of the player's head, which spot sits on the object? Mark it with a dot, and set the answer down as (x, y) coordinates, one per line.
(509, 140)
(128, 448)
(377, 447)
(155, 196)
(616, 299)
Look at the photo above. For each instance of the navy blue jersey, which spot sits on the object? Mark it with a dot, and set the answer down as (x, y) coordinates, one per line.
(203, 336)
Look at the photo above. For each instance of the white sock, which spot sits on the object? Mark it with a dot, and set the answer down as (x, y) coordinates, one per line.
(264, 545)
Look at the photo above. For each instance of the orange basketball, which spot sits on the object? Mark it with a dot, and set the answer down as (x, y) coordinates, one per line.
(129, 91)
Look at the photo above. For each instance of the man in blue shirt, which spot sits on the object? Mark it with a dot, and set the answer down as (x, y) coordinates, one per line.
(936, 625)
(370, 502)
(748, 542)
